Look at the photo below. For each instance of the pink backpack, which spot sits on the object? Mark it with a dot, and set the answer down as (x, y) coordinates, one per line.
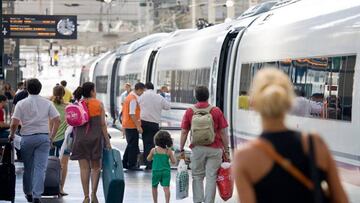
(77, 114)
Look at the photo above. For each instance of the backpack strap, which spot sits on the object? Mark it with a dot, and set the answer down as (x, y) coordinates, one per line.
(200, 110)
(269, 150)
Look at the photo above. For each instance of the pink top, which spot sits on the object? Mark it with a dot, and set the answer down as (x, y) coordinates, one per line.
(219, 122)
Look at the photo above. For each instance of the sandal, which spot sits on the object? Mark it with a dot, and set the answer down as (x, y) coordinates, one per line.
(86, 200)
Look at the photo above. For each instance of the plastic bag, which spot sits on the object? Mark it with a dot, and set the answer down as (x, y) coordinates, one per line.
(68, 141)
(225, 181)
(182, 181)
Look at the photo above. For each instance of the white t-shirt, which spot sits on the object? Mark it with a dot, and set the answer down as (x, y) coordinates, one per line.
(34, 113)
(151, 105)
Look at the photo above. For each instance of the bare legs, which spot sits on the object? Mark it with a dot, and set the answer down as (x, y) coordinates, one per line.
(155, 194)
(95, 175)
(167, 194)
(64, 168)
(87, 169)
(166, 191)
(85, 178)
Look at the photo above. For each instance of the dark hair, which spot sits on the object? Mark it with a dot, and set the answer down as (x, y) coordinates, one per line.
(63, 83)
(300, 93)
(33, 86)
(163, 139)
(201, 93)
(58, 94)
(77, 93)
(19, 84)
(149, 86)
(2, 98)
(87, 87)
(139, 86)
(243, 93)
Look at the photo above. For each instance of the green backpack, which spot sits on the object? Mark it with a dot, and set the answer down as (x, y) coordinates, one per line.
(202, 126)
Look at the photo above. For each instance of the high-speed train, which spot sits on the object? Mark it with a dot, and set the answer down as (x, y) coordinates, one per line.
(316, 42)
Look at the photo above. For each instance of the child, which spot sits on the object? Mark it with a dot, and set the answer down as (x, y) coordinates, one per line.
(160, 156)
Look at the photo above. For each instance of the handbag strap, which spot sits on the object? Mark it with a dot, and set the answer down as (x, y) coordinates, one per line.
(269, 150)
(314, 171)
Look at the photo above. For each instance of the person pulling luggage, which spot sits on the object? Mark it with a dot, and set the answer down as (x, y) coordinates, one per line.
(88, 142)
(34, 113)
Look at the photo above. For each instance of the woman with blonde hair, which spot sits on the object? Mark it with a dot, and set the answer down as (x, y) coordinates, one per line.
(283, 165)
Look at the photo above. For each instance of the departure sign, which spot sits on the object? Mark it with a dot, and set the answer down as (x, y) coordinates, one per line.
(39, 26)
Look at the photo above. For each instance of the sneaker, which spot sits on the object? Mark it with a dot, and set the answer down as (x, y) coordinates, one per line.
(29, 198)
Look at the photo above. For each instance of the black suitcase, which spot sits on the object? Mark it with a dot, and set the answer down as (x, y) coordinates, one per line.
(7, 174)
(52, 178)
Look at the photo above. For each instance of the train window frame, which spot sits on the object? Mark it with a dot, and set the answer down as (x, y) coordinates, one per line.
(325, 85)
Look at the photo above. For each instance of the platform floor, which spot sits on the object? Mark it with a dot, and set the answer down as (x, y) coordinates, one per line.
(137, 184)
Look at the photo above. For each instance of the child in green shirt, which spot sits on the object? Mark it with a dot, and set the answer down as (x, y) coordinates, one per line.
(160, 156)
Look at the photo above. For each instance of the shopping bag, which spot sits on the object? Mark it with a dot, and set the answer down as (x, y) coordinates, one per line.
(182, 181)
(68, 141)
(225, 181)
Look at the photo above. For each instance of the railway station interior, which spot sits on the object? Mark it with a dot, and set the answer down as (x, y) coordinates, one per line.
(212, 101)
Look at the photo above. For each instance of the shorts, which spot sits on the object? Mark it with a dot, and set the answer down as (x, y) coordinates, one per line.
(163, 177)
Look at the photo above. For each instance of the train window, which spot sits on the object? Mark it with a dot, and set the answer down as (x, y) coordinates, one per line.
(183, 82)
(323, 85)
(101, 84)
(132, 78)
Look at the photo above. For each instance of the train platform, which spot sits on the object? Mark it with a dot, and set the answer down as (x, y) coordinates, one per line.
(138, 183)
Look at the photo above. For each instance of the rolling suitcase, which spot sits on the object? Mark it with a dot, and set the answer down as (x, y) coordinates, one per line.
(113, 176)
(52, 178)
(7, 174)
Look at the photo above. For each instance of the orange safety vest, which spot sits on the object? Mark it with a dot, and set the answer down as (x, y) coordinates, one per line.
(127, 122)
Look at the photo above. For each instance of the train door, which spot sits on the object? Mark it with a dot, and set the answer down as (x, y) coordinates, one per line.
(225, 75)
(223, 68)
(150, 65)
(114, 89)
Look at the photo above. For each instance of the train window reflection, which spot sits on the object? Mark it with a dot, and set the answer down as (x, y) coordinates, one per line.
(182, 83)
(323, 85)
(123, 79)
(101, 84)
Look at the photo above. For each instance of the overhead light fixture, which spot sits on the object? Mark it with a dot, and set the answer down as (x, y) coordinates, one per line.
(107, 1)
(229, 3)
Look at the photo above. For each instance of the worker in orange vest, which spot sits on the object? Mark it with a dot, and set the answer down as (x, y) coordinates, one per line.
(132, 125)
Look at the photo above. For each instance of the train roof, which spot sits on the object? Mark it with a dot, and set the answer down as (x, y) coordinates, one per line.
(305, 28)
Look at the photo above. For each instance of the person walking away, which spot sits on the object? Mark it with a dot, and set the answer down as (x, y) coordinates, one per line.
(160, 156)
(132, 125)
(88, 143)
(68, 96)
(4, 126)
(20, 87)
(57, 99)
(258, 177)
(205, 159)
(9, 93)
(34, 114)
(151, 105)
